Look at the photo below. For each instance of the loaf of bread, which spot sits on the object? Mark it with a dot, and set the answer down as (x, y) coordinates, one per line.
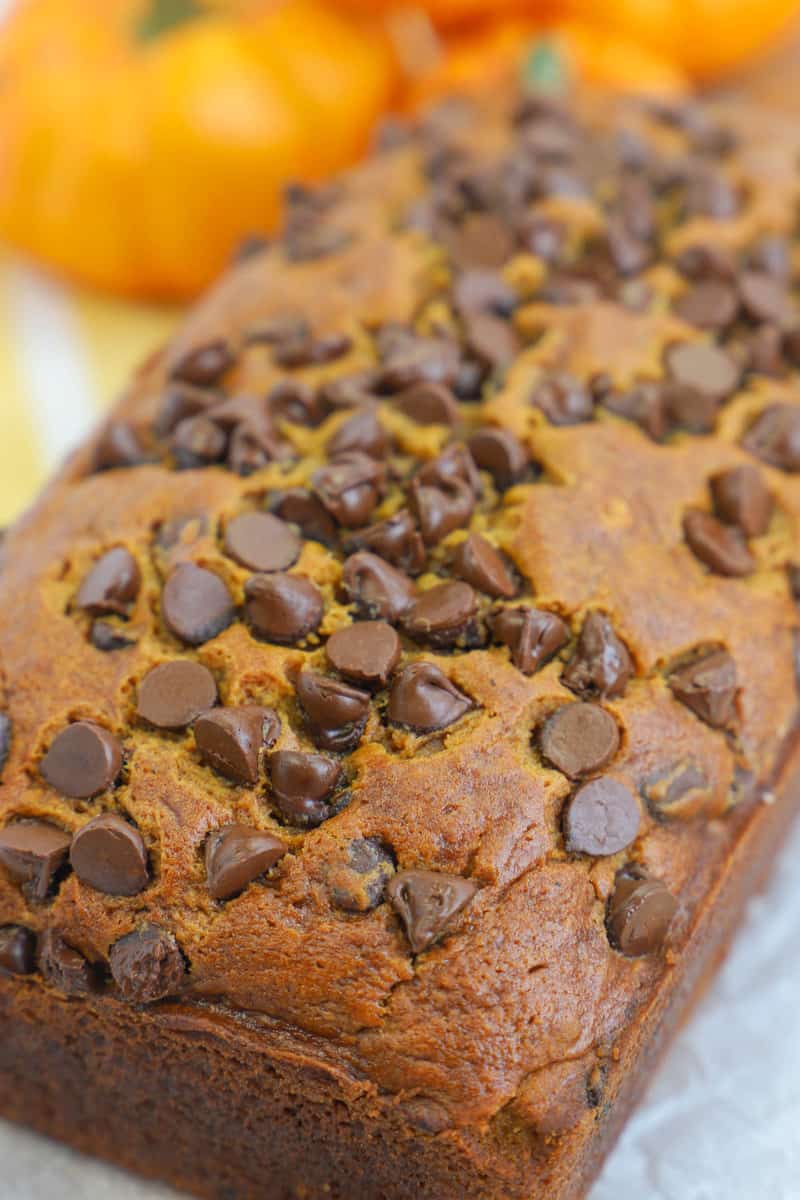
(399, 692)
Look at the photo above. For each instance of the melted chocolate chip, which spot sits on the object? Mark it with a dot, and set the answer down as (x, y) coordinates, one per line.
(197, 442)
(33, 852)
(366, 652)
(262, 542)
(600, 665)
(532, 636)
(378, 590)
(741, 498)
(708, 686)
(602, 817)
(107, 637)
(147, 965)
(17, 950)
(563, 400)
(358, 884)
(478, 562)
(427, 902)
(231, 739)
(397, 540)
(112, 585)
(64, 967)
(362, 433)
(579, 739)
(443, 615)
(424, 699)
(283, 608)
(302, 508)
(83, 761)
(723, 548)
(109, 855)
(774, 437)
(336, 713)
(195, 604)
(174, 694)
(236, 856)
(678, 793)
(349, 488)
(428, 404)
(640, 912)
(203, 366)
(302, 785)
(500, 453)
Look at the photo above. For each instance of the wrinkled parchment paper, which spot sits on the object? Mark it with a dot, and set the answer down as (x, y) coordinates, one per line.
(721, 1120)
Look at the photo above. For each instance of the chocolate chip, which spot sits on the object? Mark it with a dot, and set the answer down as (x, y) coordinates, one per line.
(349, 488)
(563, 400)
(640, 912)
(454, 465)
(710, 304)
(763, 350)
(774, 437)
(602, 817)
(408, 359)
(479, 563)
(204, 365)
(678, 793)
(397, 540)
(764, 297)
(196, 604)
(253, 445)
(701, 261)
(440, 509)
(147, 965)
(426, 902)
(237, 855)
(262, 542)
(64, 967)
(109, 855)
(722, 548)
(107, 637)
(532, 636)
(305, 350)
(647, 405)
(710, 194)
(197, 442)
(112, 585)
(629, 254)
(600, 665)
(358, 884)
(83, 760)
(231, 739)
(481, 240)
(302, 785)
(708, 686)
(181, 402)
(579, 739)
(482, 291)
(336, 713)
(33, 852)
(443, 615)
(296, 402)
(378, 590)
(362, 432)
(500, 453)
(119, 445)
(173, 694)
(17, 950)
(704, 376)
(181, 530)
(428, 404)
(302, 508)
(366, 652)
(349, 391)
(283, 608)
(543, 237)
(423, 699)
(741, 498)
(6, 731)
(772, 254)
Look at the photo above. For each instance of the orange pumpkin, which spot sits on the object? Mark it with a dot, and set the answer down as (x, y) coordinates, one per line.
(140, 140)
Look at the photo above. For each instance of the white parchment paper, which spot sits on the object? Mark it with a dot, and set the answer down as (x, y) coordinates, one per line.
(721, 1121)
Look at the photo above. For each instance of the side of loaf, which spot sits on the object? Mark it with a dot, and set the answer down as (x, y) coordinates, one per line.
(398, 695)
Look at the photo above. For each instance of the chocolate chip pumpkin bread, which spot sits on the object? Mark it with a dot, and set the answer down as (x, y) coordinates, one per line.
(398, 694)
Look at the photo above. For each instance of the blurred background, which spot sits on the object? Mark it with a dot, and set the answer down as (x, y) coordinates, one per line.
(142, 140)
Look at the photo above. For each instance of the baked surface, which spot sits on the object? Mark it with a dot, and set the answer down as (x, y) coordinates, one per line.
(472, 911)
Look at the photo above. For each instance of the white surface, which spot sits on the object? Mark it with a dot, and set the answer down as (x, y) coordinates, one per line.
(722, 1121)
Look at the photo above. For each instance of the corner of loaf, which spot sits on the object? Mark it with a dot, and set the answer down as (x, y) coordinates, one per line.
(390, 690)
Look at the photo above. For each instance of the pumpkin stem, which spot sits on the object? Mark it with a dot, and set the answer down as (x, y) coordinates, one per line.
(160, 16)
(544, 69)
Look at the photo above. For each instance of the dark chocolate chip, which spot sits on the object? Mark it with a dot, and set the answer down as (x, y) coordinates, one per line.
(602, 817)
(174, 694)
(500, 453)
(741, 498)
(764, 297)
(296, 402)
(302, 508)
(763, 350)
(679, 793)
(119, 445)
(428, 404)
(33, 852)
(237, 855)
(64, 967)
(302, 785)
(532, 636)
(283, 608)
(454, 465)
(427, 902)
(440, 509)
(563, 400)
(181, 530)
(579, 739)
(6, 731)
(378, 590)
(197, 442)
(83, 760)
(181, 402)
(17, 950)
(363, 433)
(408, 359)
(482, 240)
(112, 585)
(722, 548)
(336, 713)
(442, 615)
(203, 366)
(701, 261)
(600, 665)
(646, 404)
(478, 562)
(358, 884)
(108, 637)
(640, 912)
(109, 855)
(147, 965)
(704, 376)
(710, 304)
(366, 652)
(231, 739)
(424, 699)
(349, 488)
(349, 391)
(262, 542)
(253, 445)
(196, 604)
(708, 686)
(774, 437)
(397, 540)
